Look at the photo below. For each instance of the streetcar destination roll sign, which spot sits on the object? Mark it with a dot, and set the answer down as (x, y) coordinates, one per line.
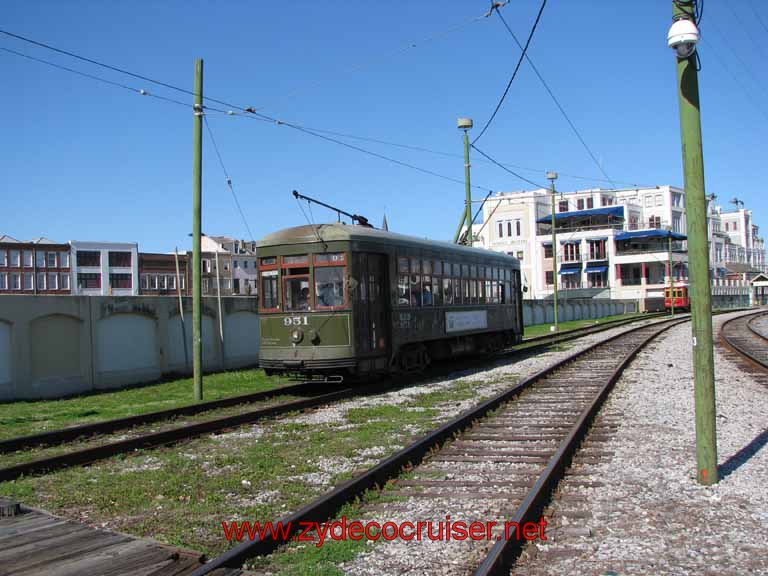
(466, 320)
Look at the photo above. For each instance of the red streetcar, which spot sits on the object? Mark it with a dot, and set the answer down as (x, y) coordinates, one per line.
(680, 296)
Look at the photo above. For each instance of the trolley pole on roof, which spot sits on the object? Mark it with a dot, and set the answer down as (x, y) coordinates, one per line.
(552, 176)
(682, 37)
(197, 171)
(466, 124)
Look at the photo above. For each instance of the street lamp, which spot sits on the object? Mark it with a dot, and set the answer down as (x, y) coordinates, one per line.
(552, 176)
(466, 125)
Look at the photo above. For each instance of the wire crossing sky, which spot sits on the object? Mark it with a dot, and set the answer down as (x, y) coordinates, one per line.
(355, 107)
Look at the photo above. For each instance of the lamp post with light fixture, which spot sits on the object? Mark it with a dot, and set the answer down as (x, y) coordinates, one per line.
(683, 37)
(466, 124)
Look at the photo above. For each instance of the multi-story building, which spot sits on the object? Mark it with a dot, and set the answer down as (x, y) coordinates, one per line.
(158, 274)
(105, 268)
(610, 243)
(237, 262)
(39, 266)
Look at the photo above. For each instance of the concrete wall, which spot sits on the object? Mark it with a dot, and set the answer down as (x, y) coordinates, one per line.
(52, 346)
(541, 311)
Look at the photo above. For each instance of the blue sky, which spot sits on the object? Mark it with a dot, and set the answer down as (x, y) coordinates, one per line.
(87, 161)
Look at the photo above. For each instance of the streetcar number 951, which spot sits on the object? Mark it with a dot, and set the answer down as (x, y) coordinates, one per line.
(295, 321)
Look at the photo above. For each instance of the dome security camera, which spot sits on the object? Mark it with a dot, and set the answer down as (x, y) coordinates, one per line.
(683, 36)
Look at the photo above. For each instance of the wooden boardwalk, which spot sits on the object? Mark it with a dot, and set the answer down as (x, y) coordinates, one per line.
(36, 543)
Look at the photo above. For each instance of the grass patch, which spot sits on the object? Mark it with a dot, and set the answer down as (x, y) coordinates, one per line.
(30, 417)
(542, 329)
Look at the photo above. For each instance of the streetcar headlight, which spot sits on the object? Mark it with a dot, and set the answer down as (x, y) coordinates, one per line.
(297, 335)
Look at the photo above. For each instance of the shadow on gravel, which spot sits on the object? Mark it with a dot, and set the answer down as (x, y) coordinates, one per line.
(742, 456)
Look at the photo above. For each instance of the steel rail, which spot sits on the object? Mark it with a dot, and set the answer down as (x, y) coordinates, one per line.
(732, 343)
(62, 435)
(502, 555)
(330, 503)
(170, 436)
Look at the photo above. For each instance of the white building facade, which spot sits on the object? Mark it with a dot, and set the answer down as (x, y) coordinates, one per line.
(104, 268)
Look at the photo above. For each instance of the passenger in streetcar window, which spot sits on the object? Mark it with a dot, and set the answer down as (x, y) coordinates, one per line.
(304, 299)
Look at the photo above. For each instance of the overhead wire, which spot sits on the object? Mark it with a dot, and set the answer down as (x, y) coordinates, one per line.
(556, 101)
(228, 178)
(515, 174)
(514, 73)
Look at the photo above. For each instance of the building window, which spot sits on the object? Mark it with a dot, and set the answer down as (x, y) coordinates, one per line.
(606, 201)
(509, 228)
(206, 266)
(677, 199)
(28, 259)
(120, 259)
(571, 252)
(16, 281)
(517, 227)
(590, 203)
(120, 280)
(580, 204)
(28, 280)
(64, 257)
(676, 223)
(40, 259)
(520, 255)
(51, 259)
(171, 281)
(64, 281)
(562, 206)
(53, 281)
(41, 280)
(234, 264)
(16, 256)
(4, 281)
(88, 281)
(648, 201)
(3, 258)
(153, 282)
(597, 250)
(659, 201)
(143, 282)
(547, 250)
(549, 277)
(654, 222)
(88, 258)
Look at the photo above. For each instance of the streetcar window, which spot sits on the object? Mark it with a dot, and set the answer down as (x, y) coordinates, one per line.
(457, 290)
(473, 291)
(426, 294)
(426, 267)
(437, 291)
(465, 283)
(297, 295)
(335, 257)
(300, 259)
(481, 290)
(329, 286)
(269, 289)
(447, 291)
(402, 265)
(268, 261)
(438, 268)
(415, 266)
(415, 290)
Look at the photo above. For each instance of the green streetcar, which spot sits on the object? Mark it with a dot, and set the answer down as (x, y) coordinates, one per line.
(339, 301)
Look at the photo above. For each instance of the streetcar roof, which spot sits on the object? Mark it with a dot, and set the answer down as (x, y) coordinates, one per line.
(335, 232)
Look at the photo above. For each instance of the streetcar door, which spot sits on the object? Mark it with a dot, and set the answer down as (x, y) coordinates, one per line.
(371, 302)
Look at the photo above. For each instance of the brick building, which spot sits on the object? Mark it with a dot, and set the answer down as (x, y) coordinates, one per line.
(39, 266)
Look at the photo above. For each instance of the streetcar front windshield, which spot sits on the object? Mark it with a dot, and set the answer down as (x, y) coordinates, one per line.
(297, 293)
(329, 286)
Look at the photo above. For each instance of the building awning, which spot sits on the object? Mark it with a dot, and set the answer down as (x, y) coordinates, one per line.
(652, 233)
(596, 239)
(616, 211)
(570, 242)
(740, 268)
(596, 269)
(547, 244)
(564, 271)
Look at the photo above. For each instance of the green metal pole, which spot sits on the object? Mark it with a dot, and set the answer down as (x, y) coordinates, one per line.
(462, 223)
(468, 187)
(552, 176)
(197, 172)
(671, 279)
(698, 261)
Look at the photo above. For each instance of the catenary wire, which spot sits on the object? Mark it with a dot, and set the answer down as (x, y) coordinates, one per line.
(556, 101)
(229, 179)
(515, 174)
(514, 73)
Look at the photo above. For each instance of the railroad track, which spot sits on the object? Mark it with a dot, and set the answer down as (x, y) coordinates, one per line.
(528, 433)
(740, 336)
(170, 435)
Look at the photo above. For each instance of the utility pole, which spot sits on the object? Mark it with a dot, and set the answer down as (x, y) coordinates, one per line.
(683, 36)
(197, 194)
(465, 124)
(552, 176)
(671, 278)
